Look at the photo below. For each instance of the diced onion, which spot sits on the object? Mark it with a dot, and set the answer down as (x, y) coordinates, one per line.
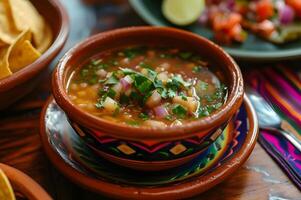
(190, 103)
(160, 111)
(126, 82)
(117, 88)
(286, 14)
(102, 73)
(163, 76)
(110, 105)
(154, 99)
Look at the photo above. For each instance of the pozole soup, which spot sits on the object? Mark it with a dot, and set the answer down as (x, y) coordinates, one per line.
(148, 86)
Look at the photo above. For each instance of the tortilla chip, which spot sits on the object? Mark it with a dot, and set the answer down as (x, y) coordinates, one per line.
(47, 39)
(22, 55)
(26, 16)
(4, 66)
(8, 33)
(6, 191)
(18, 55)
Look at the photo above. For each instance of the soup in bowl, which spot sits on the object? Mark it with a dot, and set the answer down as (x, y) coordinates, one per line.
(148, 95)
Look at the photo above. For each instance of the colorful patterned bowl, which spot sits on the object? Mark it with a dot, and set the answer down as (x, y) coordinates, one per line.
(139, 154)
(200, 129)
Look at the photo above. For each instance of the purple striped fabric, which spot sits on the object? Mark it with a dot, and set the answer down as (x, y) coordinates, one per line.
(281, 86)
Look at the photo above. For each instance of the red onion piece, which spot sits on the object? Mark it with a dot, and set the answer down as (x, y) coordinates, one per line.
(286, 14)
(125, 84)
(160, 111)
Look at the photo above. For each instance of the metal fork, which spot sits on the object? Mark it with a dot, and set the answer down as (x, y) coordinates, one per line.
(269, 119)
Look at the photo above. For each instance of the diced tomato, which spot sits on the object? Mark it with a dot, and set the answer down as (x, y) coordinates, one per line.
(226, 21)
(237, 33)
(296, 5)
(264, 9)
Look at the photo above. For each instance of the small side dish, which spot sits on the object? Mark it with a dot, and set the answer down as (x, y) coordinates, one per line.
(14, 184)
(277, 21)
(149, 86)
(24, 35)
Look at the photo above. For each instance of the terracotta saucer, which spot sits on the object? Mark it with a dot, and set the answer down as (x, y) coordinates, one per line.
(76, 161)
(24, 185)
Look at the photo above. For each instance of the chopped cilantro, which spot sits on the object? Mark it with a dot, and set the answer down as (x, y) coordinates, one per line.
(180, 111)
(143, 84)
(111, 93)
(145, 65)
(127, 71)
(169, 118)
(180, 80)
(116, 112)
(185, 55)
(112, 80)
(171, 93)
(131, 53)
(197, 69)
(203, 85)
(183, 97)
(99, 105)
(93, 79)
(95, 62)
(143, 116)
(84, 72)
(151, 74)
(132, 123)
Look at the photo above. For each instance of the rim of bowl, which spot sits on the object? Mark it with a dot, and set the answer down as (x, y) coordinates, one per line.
(234, 100)
(33, 68)
(24, 184)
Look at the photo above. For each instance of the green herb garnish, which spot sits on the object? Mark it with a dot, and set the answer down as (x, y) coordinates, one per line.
(185, 55)
(145, 65)
(203, 85)
(180, 111)
(143, 116)
(132, 123)
(112, 80)
(111, 93)
(131, 53)
(197, 69)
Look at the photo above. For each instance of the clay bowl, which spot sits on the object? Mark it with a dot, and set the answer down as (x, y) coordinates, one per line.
(22, 82)
(150, 137)
(24, 185)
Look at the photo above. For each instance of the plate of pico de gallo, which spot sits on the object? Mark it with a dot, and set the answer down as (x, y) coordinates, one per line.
(253, 30)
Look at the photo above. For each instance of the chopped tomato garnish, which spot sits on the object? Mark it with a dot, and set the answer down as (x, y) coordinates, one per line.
(264, 9)
(225, 21)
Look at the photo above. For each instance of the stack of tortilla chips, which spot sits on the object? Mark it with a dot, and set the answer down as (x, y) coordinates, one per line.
(24, 35)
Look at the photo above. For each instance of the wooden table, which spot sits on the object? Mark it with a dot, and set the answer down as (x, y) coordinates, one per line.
(20, 146)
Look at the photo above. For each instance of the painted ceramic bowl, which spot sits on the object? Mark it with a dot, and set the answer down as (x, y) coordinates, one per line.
(22, 82)
(177, 136)
(144, 154)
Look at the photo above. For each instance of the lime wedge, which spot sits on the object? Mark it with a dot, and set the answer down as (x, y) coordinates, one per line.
(182, 12)
(6, 191)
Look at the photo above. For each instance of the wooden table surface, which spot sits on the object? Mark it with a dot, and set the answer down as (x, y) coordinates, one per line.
(20, 146)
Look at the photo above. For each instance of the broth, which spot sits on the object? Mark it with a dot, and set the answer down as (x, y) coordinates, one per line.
(147, 86)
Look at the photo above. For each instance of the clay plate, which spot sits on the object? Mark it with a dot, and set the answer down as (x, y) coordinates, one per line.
(24, 184)
(79, 172)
